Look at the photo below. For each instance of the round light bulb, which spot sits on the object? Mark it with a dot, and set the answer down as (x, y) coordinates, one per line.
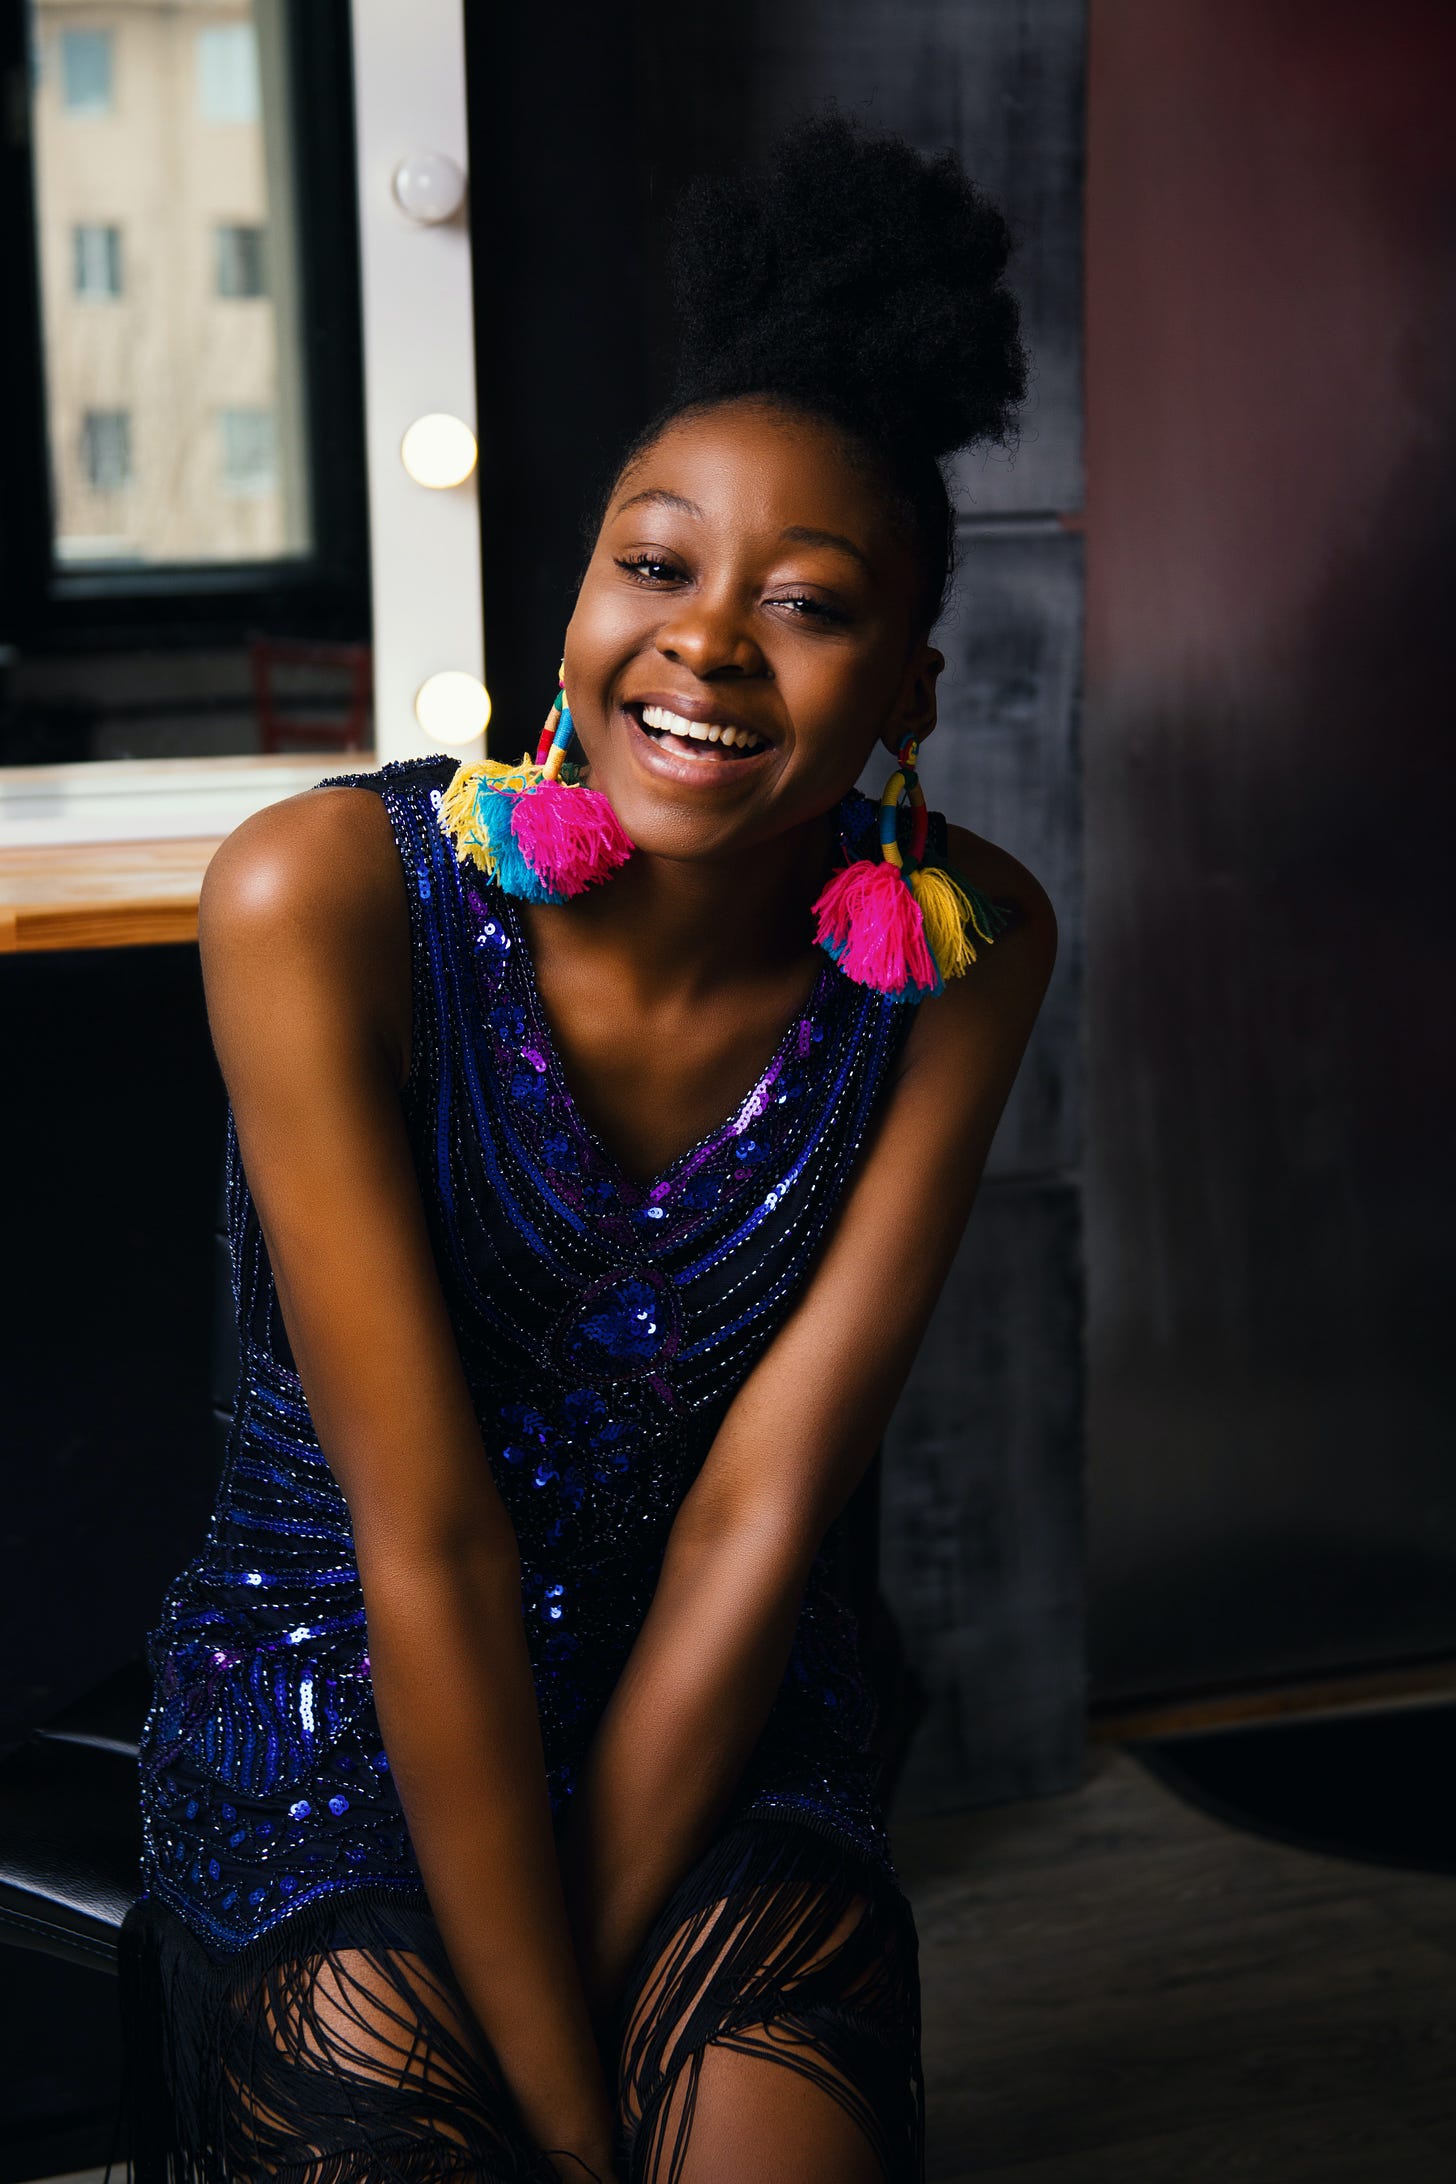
(452, 707)
(429, 186)
(438, 450)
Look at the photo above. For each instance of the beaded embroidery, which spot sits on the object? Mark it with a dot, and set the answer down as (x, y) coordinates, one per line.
(603, 1324)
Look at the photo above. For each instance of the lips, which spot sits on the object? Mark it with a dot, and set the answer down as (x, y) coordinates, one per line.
(681, 747)
(699, 711)
(662, 720)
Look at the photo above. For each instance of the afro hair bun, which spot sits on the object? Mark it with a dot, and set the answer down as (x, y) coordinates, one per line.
(859, 277)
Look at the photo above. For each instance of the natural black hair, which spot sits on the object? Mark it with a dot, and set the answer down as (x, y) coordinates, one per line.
(861, 282)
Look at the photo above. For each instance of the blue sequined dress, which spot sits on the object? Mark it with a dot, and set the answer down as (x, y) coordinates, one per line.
(604, 1326)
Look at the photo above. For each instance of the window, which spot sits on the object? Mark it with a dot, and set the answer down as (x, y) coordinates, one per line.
(227, 72)
(106, 449)
(239, 261)
(96, 261)
(86, 68)
(282, 544)
(249, 451)
(233, 193)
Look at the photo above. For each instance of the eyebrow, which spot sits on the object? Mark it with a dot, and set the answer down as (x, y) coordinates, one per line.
(802, 534)
(796, 534)
(659, 493)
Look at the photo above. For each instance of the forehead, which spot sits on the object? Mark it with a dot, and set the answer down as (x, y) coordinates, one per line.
(750, 467)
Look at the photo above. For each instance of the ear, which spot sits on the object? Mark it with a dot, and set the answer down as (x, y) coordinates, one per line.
(914, 713)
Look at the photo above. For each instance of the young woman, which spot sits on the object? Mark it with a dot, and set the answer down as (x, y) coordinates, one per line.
(508, 1802)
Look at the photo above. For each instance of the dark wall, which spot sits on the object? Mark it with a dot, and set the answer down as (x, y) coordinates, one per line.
(1272, 542)
(111, 1119)
(982, 1507)
(559, 196)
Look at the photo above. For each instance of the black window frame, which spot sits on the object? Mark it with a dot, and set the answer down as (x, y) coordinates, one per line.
(48, 607)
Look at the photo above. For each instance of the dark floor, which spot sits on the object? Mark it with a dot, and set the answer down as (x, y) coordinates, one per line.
(1121, 1990)
(1118, 1987)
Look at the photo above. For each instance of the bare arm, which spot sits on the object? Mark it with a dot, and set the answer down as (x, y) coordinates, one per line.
(304, 946)
(700, 1681)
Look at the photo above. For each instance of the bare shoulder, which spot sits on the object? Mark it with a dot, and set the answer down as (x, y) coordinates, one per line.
(1006, 880)
(983, 1019)
(326, 855)
(311, 890)
(1020, 961)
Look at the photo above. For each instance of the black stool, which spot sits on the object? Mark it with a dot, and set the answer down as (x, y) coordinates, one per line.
(70, 1828)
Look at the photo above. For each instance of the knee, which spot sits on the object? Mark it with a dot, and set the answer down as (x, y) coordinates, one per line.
(752, 2106)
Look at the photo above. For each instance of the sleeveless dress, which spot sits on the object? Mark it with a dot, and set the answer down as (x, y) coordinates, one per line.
(604, 1326)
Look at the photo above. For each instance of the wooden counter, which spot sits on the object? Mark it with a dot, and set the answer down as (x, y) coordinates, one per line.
(110, 852)
(100, 894)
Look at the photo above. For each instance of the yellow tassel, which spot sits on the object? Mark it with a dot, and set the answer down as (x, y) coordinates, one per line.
(458, 804)
(980, 928)
(947, 910)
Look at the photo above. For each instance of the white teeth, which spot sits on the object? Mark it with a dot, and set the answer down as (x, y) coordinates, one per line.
(658, 716)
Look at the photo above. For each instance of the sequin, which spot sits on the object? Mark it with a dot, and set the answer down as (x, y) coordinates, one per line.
(603, 1324)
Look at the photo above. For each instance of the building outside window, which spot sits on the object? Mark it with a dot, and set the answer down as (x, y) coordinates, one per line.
(106, 449)
(207, 212)
(249, 451)
(179, 470)
(96, 260)
(239, 262)
(227, 72)
(86, 71)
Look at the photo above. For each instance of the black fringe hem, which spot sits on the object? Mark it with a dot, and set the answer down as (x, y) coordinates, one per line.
(812, 1963)
(338, 2048)
(233, 2071)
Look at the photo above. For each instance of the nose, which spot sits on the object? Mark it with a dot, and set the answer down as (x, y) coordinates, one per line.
(710, 636)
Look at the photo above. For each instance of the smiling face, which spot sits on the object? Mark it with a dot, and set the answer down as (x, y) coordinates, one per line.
(745, 632)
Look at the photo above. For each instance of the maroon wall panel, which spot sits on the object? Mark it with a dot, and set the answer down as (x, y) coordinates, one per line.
(1271, 654)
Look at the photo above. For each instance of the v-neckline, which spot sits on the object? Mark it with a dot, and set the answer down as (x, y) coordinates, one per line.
(658, 1185)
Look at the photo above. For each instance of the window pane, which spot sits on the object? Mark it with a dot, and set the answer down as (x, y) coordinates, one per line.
(240, 261)
(97, 261)
(249, 451)
(227, 72)
(106, 450)
(86, 57)
(195, 165)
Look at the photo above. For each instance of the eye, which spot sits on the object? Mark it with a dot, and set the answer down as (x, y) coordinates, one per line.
(643, 566)
(653, 569)
(816, 607)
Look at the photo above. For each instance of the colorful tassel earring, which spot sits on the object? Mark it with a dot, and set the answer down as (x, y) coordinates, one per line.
(535, 829)
(903, 929)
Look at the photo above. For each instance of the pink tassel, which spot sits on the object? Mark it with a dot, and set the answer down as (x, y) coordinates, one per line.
(871, 924)
(569, 835)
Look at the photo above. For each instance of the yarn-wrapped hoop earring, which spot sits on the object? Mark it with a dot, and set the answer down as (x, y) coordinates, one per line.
(902, 927)
(535, 829)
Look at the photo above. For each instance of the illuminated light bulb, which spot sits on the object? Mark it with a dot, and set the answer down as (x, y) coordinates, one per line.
(429, 186)
(452, 707)
(438, 450)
